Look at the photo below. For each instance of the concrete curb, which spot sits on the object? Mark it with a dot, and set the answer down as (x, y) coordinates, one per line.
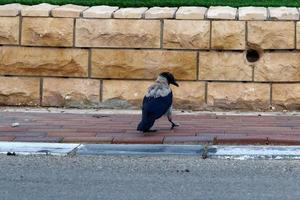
(254, 152)
(32, 148)
(139, 149)
(213, 151)
(204, 151)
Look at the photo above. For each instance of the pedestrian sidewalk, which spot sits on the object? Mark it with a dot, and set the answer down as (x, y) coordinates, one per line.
(119, 128)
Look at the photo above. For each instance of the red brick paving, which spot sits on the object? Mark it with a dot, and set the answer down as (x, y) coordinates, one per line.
(38, 139)
(201, 139)
(241, 139)
(70, 134)
(7, 138)
(138, 139)
(121, 129)
(85, 139)
(284, 140)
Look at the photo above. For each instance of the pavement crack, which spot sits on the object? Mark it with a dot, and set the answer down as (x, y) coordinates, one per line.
(74, 151)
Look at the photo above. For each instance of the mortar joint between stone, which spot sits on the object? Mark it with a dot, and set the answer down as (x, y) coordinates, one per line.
(41, 90)
(210, 34)
(197, 65)
(206, 92)
(161, 33)
(74, 32)
(295, 38)
(89, 63)
(101, 91)
(271, 94)
(174, 14)
(20, 29)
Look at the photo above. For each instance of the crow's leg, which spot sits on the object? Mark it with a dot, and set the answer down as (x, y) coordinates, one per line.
(170, 120)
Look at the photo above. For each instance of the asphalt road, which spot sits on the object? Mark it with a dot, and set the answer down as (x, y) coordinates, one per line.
(138, 178)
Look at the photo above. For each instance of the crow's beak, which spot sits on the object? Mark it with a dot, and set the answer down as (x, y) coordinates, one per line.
(176, 84)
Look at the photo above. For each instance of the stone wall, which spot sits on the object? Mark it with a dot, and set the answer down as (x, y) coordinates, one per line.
(224, 58)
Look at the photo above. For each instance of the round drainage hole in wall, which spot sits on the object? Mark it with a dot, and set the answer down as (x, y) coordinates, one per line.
(252, 55)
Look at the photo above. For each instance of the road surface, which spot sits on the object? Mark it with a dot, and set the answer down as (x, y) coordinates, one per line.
(151, 178)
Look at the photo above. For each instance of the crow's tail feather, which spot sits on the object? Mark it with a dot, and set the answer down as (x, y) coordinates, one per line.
(145, 125)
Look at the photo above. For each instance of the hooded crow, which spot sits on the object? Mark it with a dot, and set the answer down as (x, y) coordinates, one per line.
(157, 102)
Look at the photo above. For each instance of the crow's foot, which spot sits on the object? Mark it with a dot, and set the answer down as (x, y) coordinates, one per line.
(174, 125)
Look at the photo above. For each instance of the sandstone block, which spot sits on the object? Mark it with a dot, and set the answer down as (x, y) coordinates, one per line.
(253, 13)
(136, 13)
(9, 30)
(71, 92)
(189, 95)
(286, 96)
(283, 13)
(191, 12)
(186, 34)
(271, 35)
(117, 33)
(12, 9)
(19, 91)
(124, 93)
(41, 31)
(42, 10)
(221, 12)
(228, 35)
(68, 10)
(230, 66)
(100, 12)
(278, 66)
(242, 96)
(107, 63)
(160, 13)
(43, 61)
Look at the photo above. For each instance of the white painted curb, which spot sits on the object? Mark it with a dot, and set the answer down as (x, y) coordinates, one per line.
(254, 152)
(32, 148)
(208, 151)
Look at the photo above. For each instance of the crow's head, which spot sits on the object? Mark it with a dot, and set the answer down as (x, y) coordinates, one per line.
(170, 78)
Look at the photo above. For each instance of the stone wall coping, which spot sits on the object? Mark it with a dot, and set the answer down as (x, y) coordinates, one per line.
(189, 12)
(160, 12)
(221, 12)
(284, 13)
(100, 12)
(253, 13)
(68, 10)
(40, 10)
(184, 12)
(12, 9)
(135, 13)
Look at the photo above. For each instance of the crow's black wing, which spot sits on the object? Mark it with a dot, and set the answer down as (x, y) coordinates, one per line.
(154, 108)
